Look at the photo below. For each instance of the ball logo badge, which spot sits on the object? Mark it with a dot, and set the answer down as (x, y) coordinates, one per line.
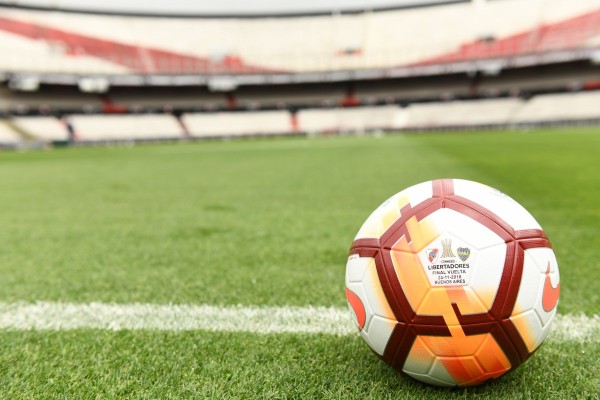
(432, 254)
(447, 249)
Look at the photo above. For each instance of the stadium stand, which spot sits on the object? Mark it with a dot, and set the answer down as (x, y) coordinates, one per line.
(356, 119)
(557, 77)
(290, 96)
(71, 42)
(42, 128)
(560, 107)
(569, 32)
(418, 88)
(63, 98)
(160, 98)
(462, 113)
(8, 137)
(125, 77)
(249, 123)
(23, 54)
(126, 127)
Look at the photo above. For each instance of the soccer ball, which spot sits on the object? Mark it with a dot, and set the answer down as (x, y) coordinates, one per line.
(452, 282)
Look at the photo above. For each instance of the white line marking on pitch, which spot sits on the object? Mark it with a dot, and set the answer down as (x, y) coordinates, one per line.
(254, 319)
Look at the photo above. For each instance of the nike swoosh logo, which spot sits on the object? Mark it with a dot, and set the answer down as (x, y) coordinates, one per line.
(550, 294)
(358, 308)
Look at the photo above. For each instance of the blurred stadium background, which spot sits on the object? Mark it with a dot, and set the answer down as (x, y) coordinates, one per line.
(78, 73)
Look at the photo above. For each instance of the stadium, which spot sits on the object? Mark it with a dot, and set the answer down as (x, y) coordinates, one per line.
(182, 182)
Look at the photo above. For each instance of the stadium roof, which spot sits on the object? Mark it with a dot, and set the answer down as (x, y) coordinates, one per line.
(222, 8)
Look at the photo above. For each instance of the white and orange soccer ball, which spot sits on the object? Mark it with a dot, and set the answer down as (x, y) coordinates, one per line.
(452, 282)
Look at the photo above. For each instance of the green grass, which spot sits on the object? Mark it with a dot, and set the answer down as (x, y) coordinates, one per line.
(93, 364)
(263, 222)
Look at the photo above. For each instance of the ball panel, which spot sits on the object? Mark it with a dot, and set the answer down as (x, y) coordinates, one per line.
(426, 378)
(487, 273)
(545, 260)
(380, 220)
(378, 332)
(389, 211)
(438, 301)
(540, 284)
(466, 300)
(472, 233)
(412, 277)
(356, 267)
(530, 329)
(491, 357)
(420, 358)
(374, 294)
(464, 371)
(417, 234)
(440, 373)
(530, 291)
(369, 306)
(419, 193)
(497, 202)
(458, 344)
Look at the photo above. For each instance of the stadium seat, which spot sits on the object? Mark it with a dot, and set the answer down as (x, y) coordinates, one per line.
(560, 107)
(462, 113)
(355, 119)
(238, 123)
(42, 128)
(7, 135)
(126, 127)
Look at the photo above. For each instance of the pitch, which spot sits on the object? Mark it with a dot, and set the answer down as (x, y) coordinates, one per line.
(259, 227)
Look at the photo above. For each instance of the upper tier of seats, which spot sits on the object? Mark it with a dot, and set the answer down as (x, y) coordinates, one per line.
(40, 41)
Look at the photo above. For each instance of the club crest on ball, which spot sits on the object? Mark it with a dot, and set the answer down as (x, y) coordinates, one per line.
(432, 254)
(463, 253)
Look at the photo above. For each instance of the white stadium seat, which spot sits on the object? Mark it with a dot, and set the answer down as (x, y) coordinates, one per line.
(355, 119)
(462, 113)
(7, 135)
(42, 128)
(237, 123)
(557, 107)
(124, 127)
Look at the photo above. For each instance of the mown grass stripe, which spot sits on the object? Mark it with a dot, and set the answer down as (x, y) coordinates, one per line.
(254, 319)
